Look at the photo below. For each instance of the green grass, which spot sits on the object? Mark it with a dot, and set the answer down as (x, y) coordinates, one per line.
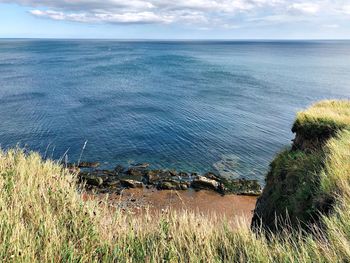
(306, 181)
(323, 118)
(43, 218)
(291, 185)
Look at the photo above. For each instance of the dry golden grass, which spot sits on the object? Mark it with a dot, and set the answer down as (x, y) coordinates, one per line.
(44, 219)
(332, 113)
(335, 110)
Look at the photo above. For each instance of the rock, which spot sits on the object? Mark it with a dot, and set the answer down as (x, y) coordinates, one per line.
(165, 175)
(90, 179)
(141, 166)
(155, 176)
(101, 191)
(184, 186)
(171, 185)
(168, 185)
(202, 182)
(242, 187)
(73, 169)
(119, 169)
(68, 165)
(212, 176)
(111, 182)
(172, 172)
(131, 183)
(88, 164)
(183, 174)
(105, 172)
(152, 176)
(135, 172)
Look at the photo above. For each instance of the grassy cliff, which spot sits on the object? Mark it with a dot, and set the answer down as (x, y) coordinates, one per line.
(43, 218)
(306, 181)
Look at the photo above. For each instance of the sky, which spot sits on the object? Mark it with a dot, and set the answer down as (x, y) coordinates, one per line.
(175, 19)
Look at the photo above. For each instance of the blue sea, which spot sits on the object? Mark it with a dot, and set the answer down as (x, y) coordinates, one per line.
(191, 105)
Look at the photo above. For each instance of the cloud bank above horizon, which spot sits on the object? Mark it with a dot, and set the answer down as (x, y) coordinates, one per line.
(200, 14)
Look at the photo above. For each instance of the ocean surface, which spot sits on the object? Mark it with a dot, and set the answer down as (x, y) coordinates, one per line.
(193, 106)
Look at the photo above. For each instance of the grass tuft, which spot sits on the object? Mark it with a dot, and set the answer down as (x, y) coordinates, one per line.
(324, 118)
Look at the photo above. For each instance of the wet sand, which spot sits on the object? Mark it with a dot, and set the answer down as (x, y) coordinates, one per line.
(203, 202)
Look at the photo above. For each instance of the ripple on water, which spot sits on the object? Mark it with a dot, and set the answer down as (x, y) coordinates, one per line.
(227, 166)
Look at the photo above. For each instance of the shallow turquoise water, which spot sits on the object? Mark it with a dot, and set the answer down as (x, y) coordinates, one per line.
(193, 106)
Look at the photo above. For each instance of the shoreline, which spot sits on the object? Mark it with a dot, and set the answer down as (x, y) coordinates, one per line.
(139, 176)
(139, 201)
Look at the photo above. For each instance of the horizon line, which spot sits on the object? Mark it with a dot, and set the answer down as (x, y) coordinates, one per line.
(180, 39)
(176, 39)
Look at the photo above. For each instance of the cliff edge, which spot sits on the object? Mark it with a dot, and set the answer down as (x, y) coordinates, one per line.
(305, 181)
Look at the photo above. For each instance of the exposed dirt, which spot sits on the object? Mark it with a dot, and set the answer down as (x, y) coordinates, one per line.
(204, 202)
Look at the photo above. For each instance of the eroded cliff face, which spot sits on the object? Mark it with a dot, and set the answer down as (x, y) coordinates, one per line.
(291, 195)
(294, 194)
(311, 138)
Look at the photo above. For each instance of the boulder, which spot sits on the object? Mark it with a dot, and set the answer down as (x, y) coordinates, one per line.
(201, 182)
(242, 187)
(152, 176)
(194, 174)
(119, 169)
(91, 179)
(105, 172)
(183, 174)
(111, 182)
(88, 164)
(140, 166)
(172, 173)
(73, 169)
(165, 175)
(134, 172)
(212, 176)
(131, 183)
(171, 185)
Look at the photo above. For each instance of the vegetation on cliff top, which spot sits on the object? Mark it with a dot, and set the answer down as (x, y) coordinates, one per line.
(305, 182)
(323, 118)
(44, 219)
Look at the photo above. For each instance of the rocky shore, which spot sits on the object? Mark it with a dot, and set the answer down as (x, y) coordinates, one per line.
(140, 176)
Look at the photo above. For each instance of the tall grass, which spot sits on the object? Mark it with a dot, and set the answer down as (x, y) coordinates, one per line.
(43, 218)
(328, 116)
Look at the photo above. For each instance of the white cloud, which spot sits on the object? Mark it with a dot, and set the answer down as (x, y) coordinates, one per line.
(203, 12)
(346, 9)
(307, 8)
(126, 18)
(331, 26)
(227, 14)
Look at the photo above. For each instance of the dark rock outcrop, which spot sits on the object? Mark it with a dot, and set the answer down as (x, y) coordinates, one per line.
(119, 169)
(91, 179)
(172, 185)
(201, 182)
(88, 164)
(131, 183)
(138, 175)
